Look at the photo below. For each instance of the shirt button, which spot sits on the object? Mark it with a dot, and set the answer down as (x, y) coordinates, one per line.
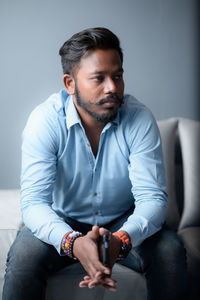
(88, 144)
(95, 194)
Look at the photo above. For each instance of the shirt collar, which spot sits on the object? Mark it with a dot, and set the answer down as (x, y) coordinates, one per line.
(72, 116)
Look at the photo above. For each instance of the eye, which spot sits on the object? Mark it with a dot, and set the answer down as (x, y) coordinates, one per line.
(98, 78)
(117, 77)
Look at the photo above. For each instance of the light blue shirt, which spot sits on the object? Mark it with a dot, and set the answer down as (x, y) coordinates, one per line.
(61, 176)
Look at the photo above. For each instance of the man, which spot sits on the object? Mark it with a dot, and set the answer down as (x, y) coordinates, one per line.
(92, 168)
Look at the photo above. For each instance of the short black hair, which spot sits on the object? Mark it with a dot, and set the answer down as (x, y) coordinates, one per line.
(89, 39)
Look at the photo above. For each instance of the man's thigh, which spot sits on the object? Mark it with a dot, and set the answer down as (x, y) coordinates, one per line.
(29, 253)
(161, 250)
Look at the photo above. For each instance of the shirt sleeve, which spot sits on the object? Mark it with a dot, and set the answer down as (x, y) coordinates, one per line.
(147, 175)
(38, 174)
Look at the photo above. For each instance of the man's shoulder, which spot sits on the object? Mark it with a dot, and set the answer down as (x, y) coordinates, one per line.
(51, 109)
(133, 108)
(55, 104)
(137, 120)
(49, 113)
(130, 99)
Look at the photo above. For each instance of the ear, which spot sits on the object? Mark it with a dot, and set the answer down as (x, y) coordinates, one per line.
(69, 84)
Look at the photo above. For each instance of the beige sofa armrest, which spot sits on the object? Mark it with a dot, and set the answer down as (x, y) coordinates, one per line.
(10, 215)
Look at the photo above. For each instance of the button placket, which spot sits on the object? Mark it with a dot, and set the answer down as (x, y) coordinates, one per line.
(95, 162)
(96, 194)
(95, 183)
(88, 147)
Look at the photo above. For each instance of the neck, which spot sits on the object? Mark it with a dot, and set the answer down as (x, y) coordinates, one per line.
(89, 122)
(92, 125)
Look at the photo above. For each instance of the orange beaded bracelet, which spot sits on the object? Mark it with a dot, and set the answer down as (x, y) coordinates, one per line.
(122, 236)
(126, 244)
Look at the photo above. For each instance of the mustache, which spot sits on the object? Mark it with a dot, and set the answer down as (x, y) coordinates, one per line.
(109, 98)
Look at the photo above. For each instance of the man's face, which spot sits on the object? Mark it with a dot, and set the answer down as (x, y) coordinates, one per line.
(99, 85)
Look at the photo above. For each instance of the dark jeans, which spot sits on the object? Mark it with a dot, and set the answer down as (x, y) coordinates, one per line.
(161, 258)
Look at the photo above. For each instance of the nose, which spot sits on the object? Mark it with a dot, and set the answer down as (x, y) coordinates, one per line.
(110, 86)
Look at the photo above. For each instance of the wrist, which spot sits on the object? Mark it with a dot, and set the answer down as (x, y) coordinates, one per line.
(67, 243)
(126, 246)
(123, 236)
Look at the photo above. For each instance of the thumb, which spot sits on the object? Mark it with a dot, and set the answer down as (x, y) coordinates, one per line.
(95, 231)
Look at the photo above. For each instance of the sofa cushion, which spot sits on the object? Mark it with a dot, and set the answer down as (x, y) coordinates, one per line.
(191, 239)
(189, 134)
(10, 224)
(168, 132)
(10, 209)
(65, 282)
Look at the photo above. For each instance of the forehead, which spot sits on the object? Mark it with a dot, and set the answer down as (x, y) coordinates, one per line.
(100, 60)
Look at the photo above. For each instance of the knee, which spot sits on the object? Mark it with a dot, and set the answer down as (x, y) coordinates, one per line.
(170, 248)
(26, 253)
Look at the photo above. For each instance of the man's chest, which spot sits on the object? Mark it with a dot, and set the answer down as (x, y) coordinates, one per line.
(111, 158)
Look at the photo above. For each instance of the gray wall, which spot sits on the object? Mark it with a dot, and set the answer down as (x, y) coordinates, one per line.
(159, 39)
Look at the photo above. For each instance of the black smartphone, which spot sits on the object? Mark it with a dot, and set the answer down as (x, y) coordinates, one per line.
(106, 250)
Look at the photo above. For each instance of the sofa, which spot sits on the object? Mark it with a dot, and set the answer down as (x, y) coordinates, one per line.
(181, 148)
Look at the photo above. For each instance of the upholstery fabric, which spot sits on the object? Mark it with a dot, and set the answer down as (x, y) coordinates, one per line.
(168, 129)
(129, 283)
(191, 239)
(9, 209)
(189, 132)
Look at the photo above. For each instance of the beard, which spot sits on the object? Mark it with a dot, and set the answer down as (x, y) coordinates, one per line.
(103, 117)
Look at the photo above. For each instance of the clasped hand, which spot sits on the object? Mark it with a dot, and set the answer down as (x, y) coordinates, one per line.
(88, 249)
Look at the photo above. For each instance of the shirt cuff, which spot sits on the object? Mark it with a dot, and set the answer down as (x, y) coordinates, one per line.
(139, 230)
(57, 234)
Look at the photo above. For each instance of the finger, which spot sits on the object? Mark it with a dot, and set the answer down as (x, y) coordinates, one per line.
(109, 281)
(110, 288)
(103, 280)
(99, 277)
(103, 231)
(89, 283)
(97, 267)
(95, 229)
(95, 232)
(106, 283)
(84, 283)
(93, 283)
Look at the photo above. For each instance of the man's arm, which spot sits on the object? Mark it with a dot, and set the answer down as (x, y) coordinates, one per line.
(147, 175)
(39, 158)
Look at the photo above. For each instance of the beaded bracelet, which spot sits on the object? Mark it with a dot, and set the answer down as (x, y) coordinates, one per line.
(68, 241)
(126, 244)
(123, 237)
